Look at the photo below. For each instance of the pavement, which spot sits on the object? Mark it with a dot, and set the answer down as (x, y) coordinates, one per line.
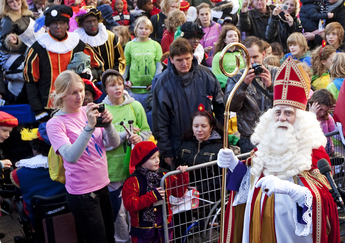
(10, 226)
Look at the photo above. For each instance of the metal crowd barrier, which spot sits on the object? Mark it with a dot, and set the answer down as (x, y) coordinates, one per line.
(195, 216)
(336, 151)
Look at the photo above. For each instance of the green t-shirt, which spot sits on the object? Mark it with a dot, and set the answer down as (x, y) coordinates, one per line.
(142, 56)
(133, 111)
(229, 62)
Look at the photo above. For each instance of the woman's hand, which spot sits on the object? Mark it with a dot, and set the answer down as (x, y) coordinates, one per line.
(161, 192)
(182, 168)
(309, 36)
(92, 114)
(289, 19)
(208, 49)
(12, 38)
(6, 163)
(277, 10)
(245, 4)
(107, 116)
(315, 107)
(135, 138)
(58, 2)
(128, 85)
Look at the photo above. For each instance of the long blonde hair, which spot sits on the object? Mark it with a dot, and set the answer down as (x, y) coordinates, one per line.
(5, 10)
(63, 84)
(337, 69)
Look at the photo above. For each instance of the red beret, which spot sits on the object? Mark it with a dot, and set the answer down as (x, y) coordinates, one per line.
(7, 120)
(184, 6)
(216, 1)
(142, 152)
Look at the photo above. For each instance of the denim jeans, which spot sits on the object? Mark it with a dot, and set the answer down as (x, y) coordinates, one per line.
(93, 215)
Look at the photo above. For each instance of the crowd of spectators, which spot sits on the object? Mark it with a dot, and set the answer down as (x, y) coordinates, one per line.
(155, 66)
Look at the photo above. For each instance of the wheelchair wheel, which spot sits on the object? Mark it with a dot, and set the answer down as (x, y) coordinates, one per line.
(7, 206)
(212, 222)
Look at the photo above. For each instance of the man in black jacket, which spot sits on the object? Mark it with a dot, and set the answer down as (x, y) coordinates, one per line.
(255, 94)
(177, 94)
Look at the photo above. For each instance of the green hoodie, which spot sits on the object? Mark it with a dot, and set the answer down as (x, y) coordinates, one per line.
(128, 110)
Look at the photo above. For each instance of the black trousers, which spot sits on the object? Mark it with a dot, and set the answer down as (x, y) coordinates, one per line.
(93, 215)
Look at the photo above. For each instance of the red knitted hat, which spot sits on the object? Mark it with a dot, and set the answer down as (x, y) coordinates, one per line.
(291, 86)
(7, 120)
(184, 6)
(142, 152)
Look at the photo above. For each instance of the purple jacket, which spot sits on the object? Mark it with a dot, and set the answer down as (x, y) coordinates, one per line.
(210, 38)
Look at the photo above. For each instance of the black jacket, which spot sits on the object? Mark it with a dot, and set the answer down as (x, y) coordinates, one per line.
(249, 102)
(310, 15)
(13, 27)
(254, 23)
(277, 29)
(192, 152)
(158, 26)
(175, 101)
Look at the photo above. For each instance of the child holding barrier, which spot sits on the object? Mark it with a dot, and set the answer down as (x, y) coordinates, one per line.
(142, 193)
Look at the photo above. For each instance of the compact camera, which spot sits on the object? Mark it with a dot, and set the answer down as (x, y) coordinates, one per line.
(257, 68)
(99, 123)
(284, 6)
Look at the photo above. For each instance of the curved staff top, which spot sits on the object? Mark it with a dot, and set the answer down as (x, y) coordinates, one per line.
(245, 56)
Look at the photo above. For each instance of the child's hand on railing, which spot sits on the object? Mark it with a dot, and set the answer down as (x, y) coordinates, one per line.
(161, 192)
(182, 168)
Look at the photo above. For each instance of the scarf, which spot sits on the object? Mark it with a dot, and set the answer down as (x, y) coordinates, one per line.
(333, 6)
(153, 180)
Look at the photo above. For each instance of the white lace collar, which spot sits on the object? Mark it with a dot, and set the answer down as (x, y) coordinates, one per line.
(96, 40)
(37, 161)
(60, 47)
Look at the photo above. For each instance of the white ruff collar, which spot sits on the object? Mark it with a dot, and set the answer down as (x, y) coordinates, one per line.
(60, 47)
(37, 161)
(96, 40)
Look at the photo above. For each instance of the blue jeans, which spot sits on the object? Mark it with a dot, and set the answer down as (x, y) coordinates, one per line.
(93, 214)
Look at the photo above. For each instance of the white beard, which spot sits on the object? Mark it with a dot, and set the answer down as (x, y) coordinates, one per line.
(285, 152)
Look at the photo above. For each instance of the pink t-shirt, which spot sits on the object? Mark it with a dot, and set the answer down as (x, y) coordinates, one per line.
(90, 173)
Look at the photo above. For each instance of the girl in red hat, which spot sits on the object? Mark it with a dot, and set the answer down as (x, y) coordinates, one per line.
(142, 193)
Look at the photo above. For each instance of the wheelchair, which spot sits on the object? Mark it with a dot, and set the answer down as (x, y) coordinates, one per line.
(52, 218)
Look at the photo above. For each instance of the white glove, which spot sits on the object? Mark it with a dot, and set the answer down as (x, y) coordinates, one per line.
(272, 184)
(227, 159)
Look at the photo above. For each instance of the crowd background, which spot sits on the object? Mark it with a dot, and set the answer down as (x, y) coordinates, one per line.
(156, 63)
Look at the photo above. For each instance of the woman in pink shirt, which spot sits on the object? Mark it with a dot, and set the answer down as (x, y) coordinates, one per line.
(75, 134)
